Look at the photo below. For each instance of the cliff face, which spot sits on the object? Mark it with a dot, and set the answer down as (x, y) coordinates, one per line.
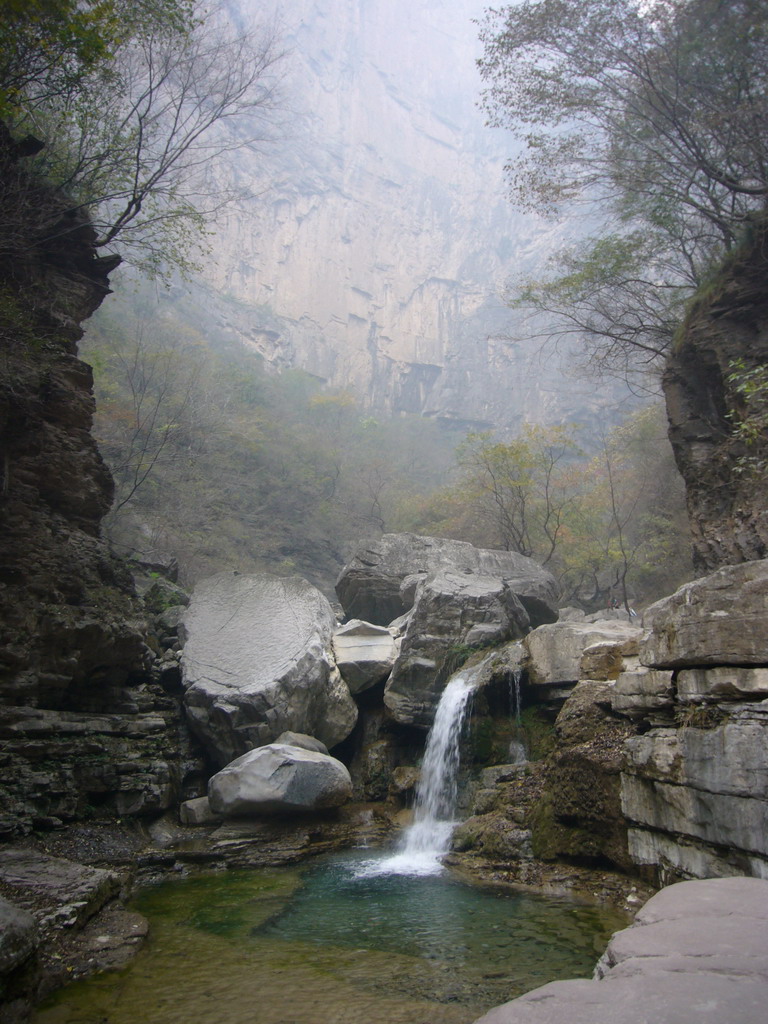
(377, 255)
(727, 326)
(73, 635)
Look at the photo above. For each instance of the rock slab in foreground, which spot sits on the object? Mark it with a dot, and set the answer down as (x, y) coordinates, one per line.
(696, 952)
(277, 778)
(257, 662)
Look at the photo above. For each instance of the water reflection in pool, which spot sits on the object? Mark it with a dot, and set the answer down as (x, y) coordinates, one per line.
(336, 944)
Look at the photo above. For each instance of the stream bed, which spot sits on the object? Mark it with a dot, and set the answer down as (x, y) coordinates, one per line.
(336, 942)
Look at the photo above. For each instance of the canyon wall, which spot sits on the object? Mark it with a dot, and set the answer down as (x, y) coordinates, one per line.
(726, 331)
(379, 248)
(82, 720)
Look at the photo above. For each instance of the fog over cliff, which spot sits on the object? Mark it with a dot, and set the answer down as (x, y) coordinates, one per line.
(378, 256)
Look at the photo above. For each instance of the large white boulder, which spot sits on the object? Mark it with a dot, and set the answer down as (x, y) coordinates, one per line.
(364, 653)
(276, 778)
(257, 662)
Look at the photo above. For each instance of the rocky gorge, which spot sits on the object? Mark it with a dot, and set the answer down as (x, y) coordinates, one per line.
(145, 731)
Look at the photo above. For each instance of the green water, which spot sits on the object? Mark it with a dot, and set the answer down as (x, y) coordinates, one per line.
(321, 945)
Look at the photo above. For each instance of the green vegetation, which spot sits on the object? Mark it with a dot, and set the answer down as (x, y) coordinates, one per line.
(651, 115)
(226, 465)
(750, 417)
(124, 107)
(610, 525)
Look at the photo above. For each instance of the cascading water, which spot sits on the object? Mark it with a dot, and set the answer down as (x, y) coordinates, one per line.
(428, 838)
(517, 752)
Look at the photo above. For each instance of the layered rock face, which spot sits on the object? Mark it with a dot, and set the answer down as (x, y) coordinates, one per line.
(727, 327)
(81, 724)
(694, 785)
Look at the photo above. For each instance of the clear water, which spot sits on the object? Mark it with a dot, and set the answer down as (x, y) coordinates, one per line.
(334, 945)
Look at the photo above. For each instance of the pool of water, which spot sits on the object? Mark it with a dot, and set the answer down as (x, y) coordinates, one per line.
(336, 943)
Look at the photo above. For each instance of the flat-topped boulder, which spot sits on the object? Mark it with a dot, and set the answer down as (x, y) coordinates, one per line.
(371, 587)
(277, 778)
(696, 952)
(257, 662)
(365, 654)
(555, 650)
(720, 619)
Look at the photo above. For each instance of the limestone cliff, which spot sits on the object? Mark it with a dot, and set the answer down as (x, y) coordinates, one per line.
(727, 325)
(382, 242)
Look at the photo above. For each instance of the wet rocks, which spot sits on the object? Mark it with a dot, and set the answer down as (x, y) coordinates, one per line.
(257, 661)
(279, 778)
(451, 610)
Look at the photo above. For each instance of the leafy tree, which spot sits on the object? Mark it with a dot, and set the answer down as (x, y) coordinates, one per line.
(750, 417)
(517, 488)
(136, 103)
(651, 112)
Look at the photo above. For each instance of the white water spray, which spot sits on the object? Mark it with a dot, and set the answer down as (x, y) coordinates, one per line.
(426, 841)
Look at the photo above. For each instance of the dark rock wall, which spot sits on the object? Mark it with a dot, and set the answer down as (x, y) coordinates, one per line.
(729, 322)
(72, 631)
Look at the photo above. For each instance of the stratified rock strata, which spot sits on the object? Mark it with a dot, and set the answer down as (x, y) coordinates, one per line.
(727, 329)
(694, 786)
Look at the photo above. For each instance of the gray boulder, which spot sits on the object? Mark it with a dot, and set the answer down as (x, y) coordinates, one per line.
(555, 650)
(695, 953)
(277, 778)
(721, 619)
(18, 936)
(257, 662)
(300, 739)
(364, 654)
(452, 611)
(369, 586)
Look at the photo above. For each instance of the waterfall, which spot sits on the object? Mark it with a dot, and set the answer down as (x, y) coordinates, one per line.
(517, 752)
(428, 838)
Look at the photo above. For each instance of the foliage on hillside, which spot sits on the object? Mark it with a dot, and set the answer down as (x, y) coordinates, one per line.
(223, 464)
(610, 524)
(127, 108)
